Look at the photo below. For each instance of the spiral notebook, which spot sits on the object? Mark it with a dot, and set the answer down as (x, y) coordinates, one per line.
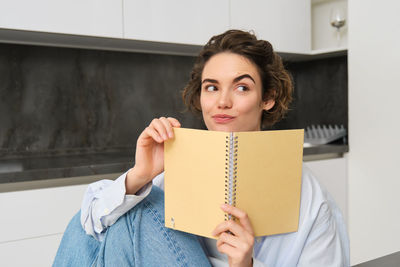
(258, 172)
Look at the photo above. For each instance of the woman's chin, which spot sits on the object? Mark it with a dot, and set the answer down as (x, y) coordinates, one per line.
(223, 128)
(231, 128)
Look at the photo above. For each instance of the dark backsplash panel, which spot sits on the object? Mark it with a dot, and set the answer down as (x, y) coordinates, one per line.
(60, 98)
(64, 99)
(320, 95)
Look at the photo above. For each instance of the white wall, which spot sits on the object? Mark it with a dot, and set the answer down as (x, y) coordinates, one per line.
(374, 127)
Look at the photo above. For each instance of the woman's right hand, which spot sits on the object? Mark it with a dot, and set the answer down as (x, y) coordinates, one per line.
(149, 158)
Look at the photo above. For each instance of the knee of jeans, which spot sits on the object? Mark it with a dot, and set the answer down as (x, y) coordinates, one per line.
(155, 200)
(75, 222)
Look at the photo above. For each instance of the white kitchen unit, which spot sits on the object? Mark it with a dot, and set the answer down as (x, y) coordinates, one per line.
(32, 252)
(37, 218)
(332, 175)
(294, 27)
(102, 18)
(175, 21)
(33, 222)
(285, 23)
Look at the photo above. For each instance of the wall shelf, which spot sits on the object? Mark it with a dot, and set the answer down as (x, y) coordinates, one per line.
(314, 54)
(138, 46)
(97, 43)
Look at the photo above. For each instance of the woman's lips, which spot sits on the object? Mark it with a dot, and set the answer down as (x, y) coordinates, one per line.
(222, 118)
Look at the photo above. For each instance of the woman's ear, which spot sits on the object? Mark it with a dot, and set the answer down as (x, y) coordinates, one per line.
(270, 103)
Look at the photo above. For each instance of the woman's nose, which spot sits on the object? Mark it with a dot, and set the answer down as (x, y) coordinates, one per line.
(224, 100)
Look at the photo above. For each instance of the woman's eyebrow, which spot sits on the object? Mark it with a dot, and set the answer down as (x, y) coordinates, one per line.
(234, 80)
(209, 80)
(244, 76)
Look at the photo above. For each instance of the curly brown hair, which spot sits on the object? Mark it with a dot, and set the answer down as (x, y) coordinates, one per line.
(276, 81)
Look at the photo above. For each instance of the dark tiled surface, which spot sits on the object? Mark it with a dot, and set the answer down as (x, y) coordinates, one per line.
(55, 99)
(61, 98)
(42, 168)
(392, 260)
(320, 95)
(71, 112)
(326, 149)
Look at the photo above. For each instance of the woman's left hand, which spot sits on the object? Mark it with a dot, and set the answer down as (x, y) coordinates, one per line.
(239, 241)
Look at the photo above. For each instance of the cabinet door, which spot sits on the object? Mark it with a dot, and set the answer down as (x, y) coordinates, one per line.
(284, 23)
(175, 21)
(82, 17)
(33, 223)
(39, 212)
(37, 251)
(332, 175)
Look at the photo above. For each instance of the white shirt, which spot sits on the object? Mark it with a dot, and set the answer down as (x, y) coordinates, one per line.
(321, 239)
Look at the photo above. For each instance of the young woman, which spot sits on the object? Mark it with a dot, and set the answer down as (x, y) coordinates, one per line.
(238, 83)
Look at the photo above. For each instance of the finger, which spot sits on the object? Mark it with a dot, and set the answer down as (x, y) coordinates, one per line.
(238, 246)
(230, 226)
(229, 239)
(150, 132)
(241, 215)
(227, 249)
(237, 254)
(160, 128)
(168, 126)
(174, 122)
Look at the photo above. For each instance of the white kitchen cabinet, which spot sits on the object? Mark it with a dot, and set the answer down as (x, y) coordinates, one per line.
(33, 223)
(174, 25)
(332, 175)
(101, 18)
(175, 21)
(284, 23)
(32, 252)
(38, 212)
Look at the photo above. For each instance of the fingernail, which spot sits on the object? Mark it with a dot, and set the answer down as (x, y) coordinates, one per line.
(170, 135)
(165, 137)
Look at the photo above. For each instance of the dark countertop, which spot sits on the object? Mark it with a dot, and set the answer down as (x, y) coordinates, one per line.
(325, 149)
(51, 167)
(47, 167)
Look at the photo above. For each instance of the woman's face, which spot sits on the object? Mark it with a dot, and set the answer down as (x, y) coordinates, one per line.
(231, 95)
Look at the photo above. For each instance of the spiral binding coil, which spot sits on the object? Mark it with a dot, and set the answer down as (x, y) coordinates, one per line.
(231, 152)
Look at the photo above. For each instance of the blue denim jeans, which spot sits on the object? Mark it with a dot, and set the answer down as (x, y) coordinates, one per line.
(139, 238)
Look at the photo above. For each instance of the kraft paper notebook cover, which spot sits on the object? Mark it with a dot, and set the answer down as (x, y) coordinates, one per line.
(204, 169)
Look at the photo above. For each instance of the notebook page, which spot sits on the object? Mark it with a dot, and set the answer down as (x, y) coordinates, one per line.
(194, 180)
(269, 179)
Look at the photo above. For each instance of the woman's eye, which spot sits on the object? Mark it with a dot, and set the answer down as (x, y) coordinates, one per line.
(210, 88)
(242, 88)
